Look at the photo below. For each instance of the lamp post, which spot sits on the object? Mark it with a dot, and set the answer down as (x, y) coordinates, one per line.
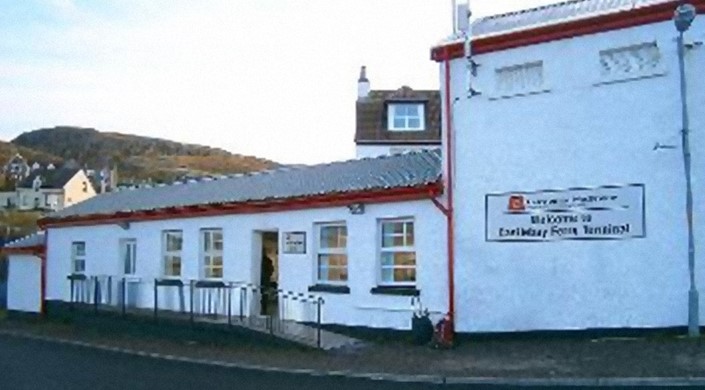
(683, 18)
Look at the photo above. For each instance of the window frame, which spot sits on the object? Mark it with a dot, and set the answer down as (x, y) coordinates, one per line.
(382, 249)
(123, 251)
(76, 258)
(212, 253)
(172, 253)
(338, 251)
(391, 116)
(520, 79)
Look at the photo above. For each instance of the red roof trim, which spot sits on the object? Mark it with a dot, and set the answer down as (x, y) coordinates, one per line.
(601, 23)
(36, 250)
(290, 204)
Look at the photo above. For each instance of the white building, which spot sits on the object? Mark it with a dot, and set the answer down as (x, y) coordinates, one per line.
(25, 287)
(579, 94)
(561, 205)
(361, 234)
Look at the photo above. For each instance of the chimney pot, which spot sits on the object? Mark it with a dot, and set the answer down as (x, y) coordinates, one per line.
(363, 84)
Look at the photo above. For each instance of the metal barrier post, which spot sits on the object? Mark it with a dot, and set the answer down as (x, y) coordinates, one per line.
(230, 304)
(124, 296)
(156, 298)
(191, 284)
(96, 287)
(243, 294)
(318, 321)
(72, 288)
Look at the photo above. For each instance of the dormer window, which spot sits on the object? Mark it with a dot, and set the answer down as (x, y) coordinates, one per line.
(405, 117)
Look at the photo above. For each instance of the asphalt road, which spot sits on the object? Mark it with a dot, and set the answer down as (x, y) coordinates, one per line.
(31, 364)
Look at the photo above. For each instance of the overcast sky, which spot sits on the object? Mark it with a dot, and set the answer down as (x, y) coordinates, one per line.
(271, 78)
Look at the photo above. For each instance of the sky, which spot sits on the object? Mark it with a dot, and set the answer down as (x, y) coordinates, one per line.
(270, 78)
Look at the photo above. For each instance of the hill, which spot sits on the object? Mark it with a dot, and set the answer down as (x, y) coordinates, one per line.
(137, 157)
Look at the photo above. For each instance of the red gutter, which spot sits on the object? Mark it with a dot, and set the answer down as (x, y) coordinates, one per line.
(35, 250)
(570, 29)
(290, 204)
(43, 280)
(449, 179)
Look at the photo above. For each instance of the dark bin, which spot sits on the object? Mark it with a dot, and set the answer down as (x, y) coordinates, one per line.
(421, 329)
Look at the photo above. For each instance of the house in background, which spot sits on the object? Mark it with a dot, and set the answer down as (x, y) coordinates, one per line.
(395, 121)
(53, 189)
(16, 168)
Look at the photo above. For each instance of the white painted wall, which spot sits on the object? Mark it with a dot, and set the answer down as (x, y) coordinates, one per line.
(296, 272)
(581, 132)
(8, 198)
(363, 151)
(24, 283)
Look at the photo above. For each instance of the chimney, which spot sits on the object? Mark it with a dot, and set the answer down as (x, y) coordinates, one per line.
(363, 84)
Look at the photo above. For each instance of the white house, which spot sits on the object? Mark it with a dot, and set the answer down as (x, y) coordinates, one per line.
(25, 273)
(581, 94)
(53, 189)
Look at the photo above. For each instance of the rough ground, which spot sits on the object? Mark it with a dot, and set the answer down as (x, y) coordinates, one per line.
(542, 358)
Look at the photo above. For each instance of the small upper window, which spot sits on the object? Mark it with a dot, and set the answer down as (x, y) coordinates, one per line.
(406, 117)
(519, 80)
(78, 257)
(631, 62)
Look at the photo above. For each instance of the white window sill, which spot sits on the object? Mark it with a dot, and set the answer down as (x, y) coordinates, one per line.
(519, 94)
(628, 78)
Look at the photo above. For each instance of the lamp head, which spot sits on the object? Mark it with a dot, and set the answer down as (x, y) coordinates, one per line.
(683, 16)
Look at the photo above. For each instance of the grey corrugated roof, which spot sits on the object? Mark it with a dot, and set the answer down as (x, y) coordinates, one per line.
(31, 240)
(403, 170)
(552, 14)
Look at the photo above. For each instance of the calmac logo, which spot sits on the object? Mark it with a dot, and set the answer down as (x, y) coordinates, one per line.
(516, 203)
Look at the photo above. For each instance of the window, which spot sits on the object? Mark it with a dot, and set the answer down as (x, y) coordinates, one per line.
(631, 62)
(212, 253)
(405, 117)
(397, 253)
(78, 257)
(172, 243)
(129, 256)
(331, 256)
(519, 80)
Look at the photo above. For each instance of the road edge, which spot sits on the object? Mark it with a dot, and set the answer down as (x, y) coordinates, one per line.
(431, 379)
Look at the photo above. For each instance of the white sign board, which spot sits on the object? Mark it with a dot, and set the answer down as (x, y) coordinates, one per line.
(602, 213)
(295, 242)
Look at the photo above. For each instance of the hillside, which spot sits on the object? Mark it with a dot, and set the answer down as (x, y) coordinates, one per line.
(7, 150)
(137, 157)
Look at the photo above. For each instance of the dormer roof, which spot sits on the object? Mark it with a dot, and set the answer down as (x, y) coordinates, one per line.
(371, 117)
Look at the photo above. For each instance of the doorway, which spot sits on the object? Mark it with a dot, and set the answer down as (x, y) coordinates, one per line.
(269, 273)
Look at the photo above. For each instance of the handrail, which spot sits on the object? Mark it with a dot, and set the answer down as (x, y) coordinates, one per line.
(215, 298)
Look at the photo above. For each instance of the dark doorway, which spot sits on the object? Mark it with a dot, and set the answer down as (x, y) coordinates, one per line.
(269, 273)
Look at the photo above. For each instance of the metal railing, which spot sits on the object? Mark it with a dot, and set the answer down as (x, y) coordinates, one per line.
(199, 301)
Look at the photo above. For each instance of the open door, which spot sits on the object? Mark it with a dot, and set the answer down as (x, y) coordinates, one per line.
(269, 273)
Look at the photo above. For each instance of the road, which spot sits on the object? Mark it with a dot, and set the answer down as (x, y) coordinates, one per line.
(32, 364)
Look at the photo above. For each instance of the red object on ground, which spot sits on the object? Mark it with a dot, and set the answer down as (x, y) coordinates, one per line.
(444, 333)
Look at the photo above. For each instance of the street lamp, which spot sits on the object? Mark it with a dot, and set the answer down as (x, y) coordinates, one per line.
(683, 18)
